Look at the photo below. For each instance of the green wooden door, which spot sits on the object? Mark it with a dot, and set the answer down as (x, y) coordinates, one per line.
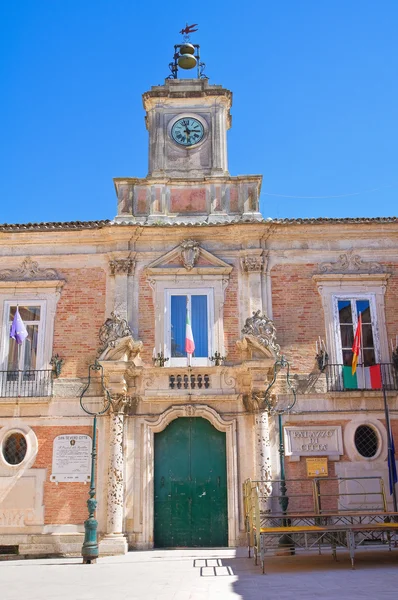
(190, 485)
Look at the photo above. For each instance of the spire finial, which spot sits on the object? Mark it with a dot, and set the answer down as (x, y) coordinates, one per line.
(187, 55)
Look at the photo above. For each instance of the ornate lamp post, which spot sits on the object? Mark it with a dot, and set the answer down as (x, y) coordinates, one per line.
(94, 407)
(272, 408)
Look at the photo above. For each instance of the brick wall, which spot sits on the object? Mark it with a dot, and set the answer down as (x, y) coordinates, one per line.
(298, 314)
(391, 303)
(146, 322)
(231, 317)
(65, 503)
(80, 314)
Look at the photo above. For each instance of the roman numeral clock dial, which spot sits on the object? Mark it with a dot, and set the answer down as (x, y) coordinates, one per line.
(187, 131)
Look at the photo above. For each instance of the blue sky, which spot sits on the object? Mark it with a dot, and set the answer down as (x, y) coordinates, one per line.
(315, 100)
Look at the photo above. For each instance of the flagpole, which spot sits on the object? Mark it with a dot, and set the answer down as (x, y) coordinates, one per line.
(361, 351)
(390, 454)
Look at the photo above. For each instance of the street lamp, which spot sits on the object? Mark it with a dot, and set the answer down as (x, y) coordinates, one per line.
(272, 408)
(94, 407)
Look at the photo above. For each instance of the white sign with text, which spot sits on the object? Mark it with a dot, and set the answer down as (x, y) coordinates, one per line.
(71, 458)
(322, 440)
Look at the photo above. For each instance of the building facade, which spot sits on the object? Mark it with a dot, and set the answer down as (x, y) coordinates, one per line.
(179, 437)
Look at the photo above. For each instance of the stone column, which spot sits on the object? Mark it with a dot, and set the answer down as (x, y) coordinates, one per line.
(263, 456)
(114, 542)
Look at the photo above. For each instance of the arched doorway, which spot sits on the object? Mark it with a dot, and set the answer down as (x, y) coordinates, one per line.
(190, 485)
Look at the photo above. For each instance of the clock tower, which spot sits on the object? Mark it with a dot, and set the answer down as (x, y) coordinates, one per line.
(187, 121)
(188, 179)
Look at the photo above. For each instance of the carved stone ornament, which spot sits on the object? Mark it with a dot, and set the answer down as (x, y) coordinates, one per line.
(189, 410)
(190, 251)
(122, 265)
(122, 403)
(117, 340)
(260, 328)
(251, 263)
(350, 263)
(28, 271)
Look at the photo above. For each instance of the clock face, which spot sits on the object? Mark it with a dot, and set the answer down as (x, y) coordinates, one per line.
(187, 131)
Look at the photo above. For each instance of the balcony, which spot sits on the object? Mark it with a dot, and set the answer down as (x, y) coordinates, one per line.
(26, 384)
(340, 379)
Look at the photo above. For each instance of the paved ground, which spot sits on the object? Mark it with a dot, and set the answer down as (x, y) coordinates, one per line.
(202, 575)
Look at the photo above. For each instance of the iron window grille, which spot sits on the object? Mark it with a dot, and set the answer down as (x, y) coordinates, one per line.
(366, 441)
(14, 448)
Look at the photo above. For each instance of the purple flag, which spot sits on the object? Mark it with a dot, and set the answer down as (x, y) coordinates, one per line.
(18, 330)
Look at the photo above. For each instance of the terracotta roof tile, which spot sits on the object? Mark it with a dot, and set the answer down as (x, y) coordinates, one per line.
(80, 225)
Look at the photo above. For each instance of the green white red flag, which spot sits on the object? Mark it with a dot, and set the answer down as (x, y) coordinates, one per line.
(189, 341)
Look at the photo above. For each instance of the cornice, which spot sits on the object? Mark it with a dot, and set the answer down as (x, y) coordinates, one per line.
(351, 277)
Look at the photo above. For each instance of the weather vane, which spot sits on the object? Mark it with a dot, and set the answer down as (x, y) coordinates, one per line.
(187, 55)
(188, 30)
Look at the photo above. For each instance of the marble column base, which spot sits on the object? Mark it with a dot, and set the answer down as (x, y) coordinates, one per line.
(113, 543)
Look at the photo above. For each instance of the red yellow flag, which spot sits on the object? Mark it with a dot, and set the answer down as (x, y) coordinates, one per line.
(356, 347)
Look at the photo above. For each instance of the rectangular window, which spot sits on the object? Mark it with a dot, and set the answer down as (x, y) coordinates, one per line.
(349, 311)
(369, 373)
(22, 364)
(197, 304)
(23, 357)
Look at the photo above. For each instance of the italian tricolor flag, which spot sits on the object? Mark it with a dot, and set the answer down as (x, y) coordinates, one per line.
(364, 378)
(360, 377)
(189, 343)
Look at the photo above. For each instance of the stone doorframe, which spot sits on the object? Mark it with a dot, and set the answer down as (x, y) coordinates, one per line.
(159, 424)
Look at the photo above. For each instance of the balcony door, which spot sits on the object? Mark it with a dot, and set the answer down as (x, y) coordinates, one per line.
(22, 373)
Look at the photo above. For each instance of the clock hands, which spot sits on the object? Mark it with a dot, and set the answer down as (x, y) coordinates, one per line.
(188, 132)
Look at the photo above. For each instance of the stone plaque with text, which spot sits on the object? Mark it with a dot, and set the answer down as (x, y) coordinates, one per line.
(325, 440)
(71, 458)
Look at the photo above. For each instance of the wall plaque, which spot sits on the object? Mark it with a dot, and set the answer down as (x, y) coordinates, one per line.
(317, 467)
(323, 440)
(71, 458)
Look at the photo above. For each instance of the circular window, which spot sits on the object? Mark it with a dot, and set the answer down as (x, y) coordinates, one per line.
(14, 448)
(366, 441)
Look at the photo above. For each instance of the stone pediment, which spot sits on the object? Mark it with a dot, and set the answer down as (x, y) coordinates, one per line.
(189, 258)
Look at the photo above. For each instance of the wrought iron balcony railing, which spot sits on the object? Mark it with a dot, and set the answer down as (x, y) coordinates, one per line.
(339, 378)
(27, 384)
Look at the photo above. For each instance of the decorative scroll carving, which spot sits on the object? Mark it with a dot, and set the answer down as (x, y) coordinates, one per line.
(251, 263)
(122, 403)
(121, 265)
(117, 340)
(190, 251)
(350, 263)
(28, 271)
(259, 328)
